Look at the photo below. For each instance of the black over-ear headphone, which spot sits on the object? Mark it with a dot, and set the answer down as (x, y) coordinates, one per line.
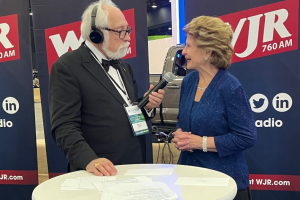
(96, 36)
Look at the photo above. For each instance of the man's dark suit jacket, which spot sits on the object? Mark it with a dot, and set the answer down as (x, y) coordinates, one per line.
(87, 114)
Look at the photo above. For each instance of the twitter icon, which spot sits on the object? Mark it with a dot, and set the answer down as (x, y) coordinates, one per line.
(259, 103)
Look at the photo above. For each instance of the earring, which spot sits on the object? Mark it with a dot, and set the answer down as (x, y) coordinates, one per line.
(205, 58)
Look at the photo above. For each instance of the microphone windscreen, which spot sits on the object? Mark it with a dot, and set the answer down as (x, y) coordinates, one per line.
(169, 77)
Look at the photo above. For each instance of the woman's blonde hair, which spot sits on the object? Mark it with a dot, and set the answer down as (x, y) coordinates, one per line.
(211, 33)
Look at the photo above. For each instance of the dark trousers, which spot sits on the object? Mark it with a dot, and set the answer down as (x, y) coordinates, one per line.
(244, 194)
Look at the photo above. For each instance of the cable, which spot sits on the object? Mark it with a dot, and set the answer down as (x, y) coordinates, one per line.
(163, 153)
(170, 154)
(158, 153)
(166, 138)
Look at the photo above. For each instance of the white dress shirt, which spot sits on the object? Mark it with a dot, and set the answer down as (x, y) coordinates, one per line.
(114, 73)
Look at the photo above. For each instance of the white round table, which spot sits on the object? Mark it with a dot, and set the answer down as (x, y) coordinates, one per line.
(50, 189)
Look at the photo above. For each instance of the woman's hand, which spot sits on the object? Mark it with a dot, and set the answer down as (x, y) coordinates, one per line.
(181, 139)
(186, 141)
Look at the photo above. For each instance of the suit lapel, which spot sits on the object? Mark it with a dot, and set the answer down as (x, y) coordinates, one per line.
(92, 66)
(127, 80)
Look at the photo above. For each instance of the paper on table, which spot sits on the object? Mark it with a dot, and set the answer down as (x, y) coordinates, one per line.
(70, 184)
(159, 171)
(69, 188)
(145, 191)
(140, 179)
(202, 181)
(87, 182)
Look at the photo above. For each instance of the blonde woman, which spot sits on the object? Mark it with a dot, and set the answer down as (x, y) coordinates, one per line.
(215, 123)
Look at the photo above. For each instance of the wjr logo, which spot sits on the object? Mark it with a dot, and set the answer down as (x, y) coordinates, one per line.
(11, 106)
(264, 30)
(9, 38)
(281, 102)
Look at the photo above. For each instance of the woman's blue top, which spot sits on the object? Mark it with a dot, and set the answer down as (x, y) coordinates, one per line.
(224, 113)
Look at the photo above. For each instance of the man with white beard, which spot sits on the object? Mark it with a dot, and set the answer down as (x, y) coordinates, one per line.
(87, 93)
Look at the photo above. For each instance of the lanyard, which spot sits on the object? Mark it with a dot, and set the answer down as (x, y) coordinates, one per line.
(111, 78)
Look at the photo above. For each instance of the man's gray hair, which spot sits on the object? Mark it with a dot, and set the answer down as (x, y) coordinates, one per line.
(101, 17)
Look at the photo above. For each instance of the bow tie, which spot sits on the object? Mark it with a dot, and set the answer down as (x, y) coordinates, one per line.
(114, 63)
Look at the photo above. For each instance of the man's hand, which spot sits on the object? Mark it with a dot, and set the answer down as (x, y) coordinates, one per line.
(101, 167)
(155, 98)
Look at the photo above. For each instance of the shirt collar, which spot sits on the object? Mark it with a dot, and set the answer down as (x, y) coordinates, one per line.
(96, 52)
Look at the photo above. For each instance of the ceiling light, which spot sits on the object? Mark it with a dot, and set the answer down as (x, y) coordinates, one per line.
(170, 28)
(154, 6)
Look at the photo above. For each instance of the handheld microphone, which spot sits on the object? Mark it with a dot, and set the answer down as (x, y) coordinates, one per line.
(168, 77)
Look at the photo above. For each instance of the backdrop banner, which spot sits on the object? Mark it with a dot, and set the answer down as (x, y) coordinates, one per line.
(18, 166)
(60, 33)
(266, 61)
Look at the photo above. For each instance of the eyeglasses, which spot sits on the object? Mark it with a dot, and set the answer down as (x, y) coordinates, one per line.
(122, 33)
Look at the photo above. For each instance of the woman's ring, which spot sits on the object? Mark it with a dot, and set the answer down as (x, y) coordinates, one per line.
(95, 165)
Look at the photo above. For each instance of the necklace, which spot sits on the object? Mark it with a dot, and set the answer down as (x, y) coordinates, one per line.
(201, 88)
